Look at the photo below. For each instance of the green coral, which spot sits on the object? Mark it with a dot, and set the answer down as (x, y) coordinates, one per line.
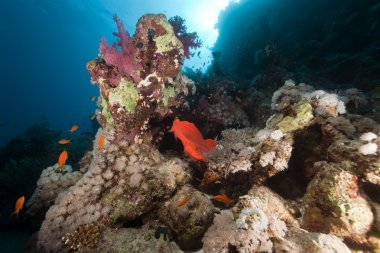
(168, 92)
(165, 42)
(107, 117)
(125, 94)
(303, 115)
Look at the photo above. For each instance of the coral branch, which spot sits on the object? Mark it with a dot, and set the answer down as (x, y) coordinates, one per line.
(189, 40)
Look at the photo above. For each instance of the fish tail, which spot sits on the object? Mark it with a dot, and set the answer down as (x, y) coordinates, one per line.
(14, 213)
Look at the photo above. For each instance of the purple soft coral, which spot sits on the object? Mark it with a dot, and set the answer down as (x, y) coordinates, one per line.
(124, 60)
(189, 40)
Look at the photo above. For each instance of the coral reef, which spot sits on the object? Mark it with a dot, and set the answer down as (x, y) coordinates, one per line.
(126, 177)
(335, 205)
(130, 101)
(52, 182)
(302, 241)
(189, 221)
(134, 240)
(188, 40)
(122, 184)
(258, 217)
(132, 195)
(222, 113)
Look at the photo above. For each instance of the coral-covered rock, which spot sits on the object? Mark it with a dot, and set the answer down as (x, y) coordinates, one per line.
(190, 220)
(376, 208)
(134, 240)
(255, 220)
(362, 156)
(122, 183)
(302, 241)
(243, 157)
(222, 113)
(334, 204)
(52, 182)
(128, 101)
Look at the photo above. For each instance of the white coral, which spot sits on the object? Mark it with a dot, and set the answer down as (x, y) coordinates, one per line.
(369, 136)
(368, 149)
(267, 158)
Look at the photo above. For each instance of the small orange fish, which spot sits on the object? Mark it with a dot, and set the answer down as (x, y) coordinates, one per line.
(73, 128)
(62, 158)
(193, 142)
(93, 98)
(64, 141)
(223, 198)
(19, 205)
(93, 117)
(101, 142)
(184, 201)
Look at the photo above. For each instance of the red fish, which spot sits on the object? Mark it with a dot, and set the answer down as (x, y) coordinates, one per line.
(93, 98)
(19, 205)
(184, 201)
(223, 198)
(62, 158)
(193, 142)
(73, 128)
(64, 142)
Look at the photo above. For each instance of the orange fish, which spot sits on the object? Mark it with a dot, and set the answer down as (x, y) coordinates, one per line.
(64, 141)
(101, 142)
(193, 142)
(93, 117)
(62, 158)
(19, 205)
(184, 201)
(93, 98)
(223, 198)
(73, 128)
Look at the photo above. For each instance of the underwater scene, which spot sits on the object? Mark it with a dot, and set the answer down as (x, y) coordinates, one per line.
(197, 126)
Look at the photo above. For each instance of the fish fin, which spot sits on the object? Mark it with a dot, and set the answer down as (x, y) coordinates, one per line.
(210, 143)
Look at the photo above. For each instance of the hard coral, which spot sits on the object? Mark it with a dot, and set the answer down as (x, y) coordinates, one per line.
(334, 203)
(189, 221)
(258, 218)
(189, 40)
(84, 236)
(52, 182)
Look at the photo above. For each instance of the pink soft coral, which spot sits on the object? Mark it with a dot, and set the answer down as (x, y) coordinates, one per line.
(121, 54)
(189, 40)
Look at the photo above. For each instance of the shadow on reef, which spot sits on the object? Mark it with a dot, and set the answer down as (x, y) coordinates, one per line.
(292, 183)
